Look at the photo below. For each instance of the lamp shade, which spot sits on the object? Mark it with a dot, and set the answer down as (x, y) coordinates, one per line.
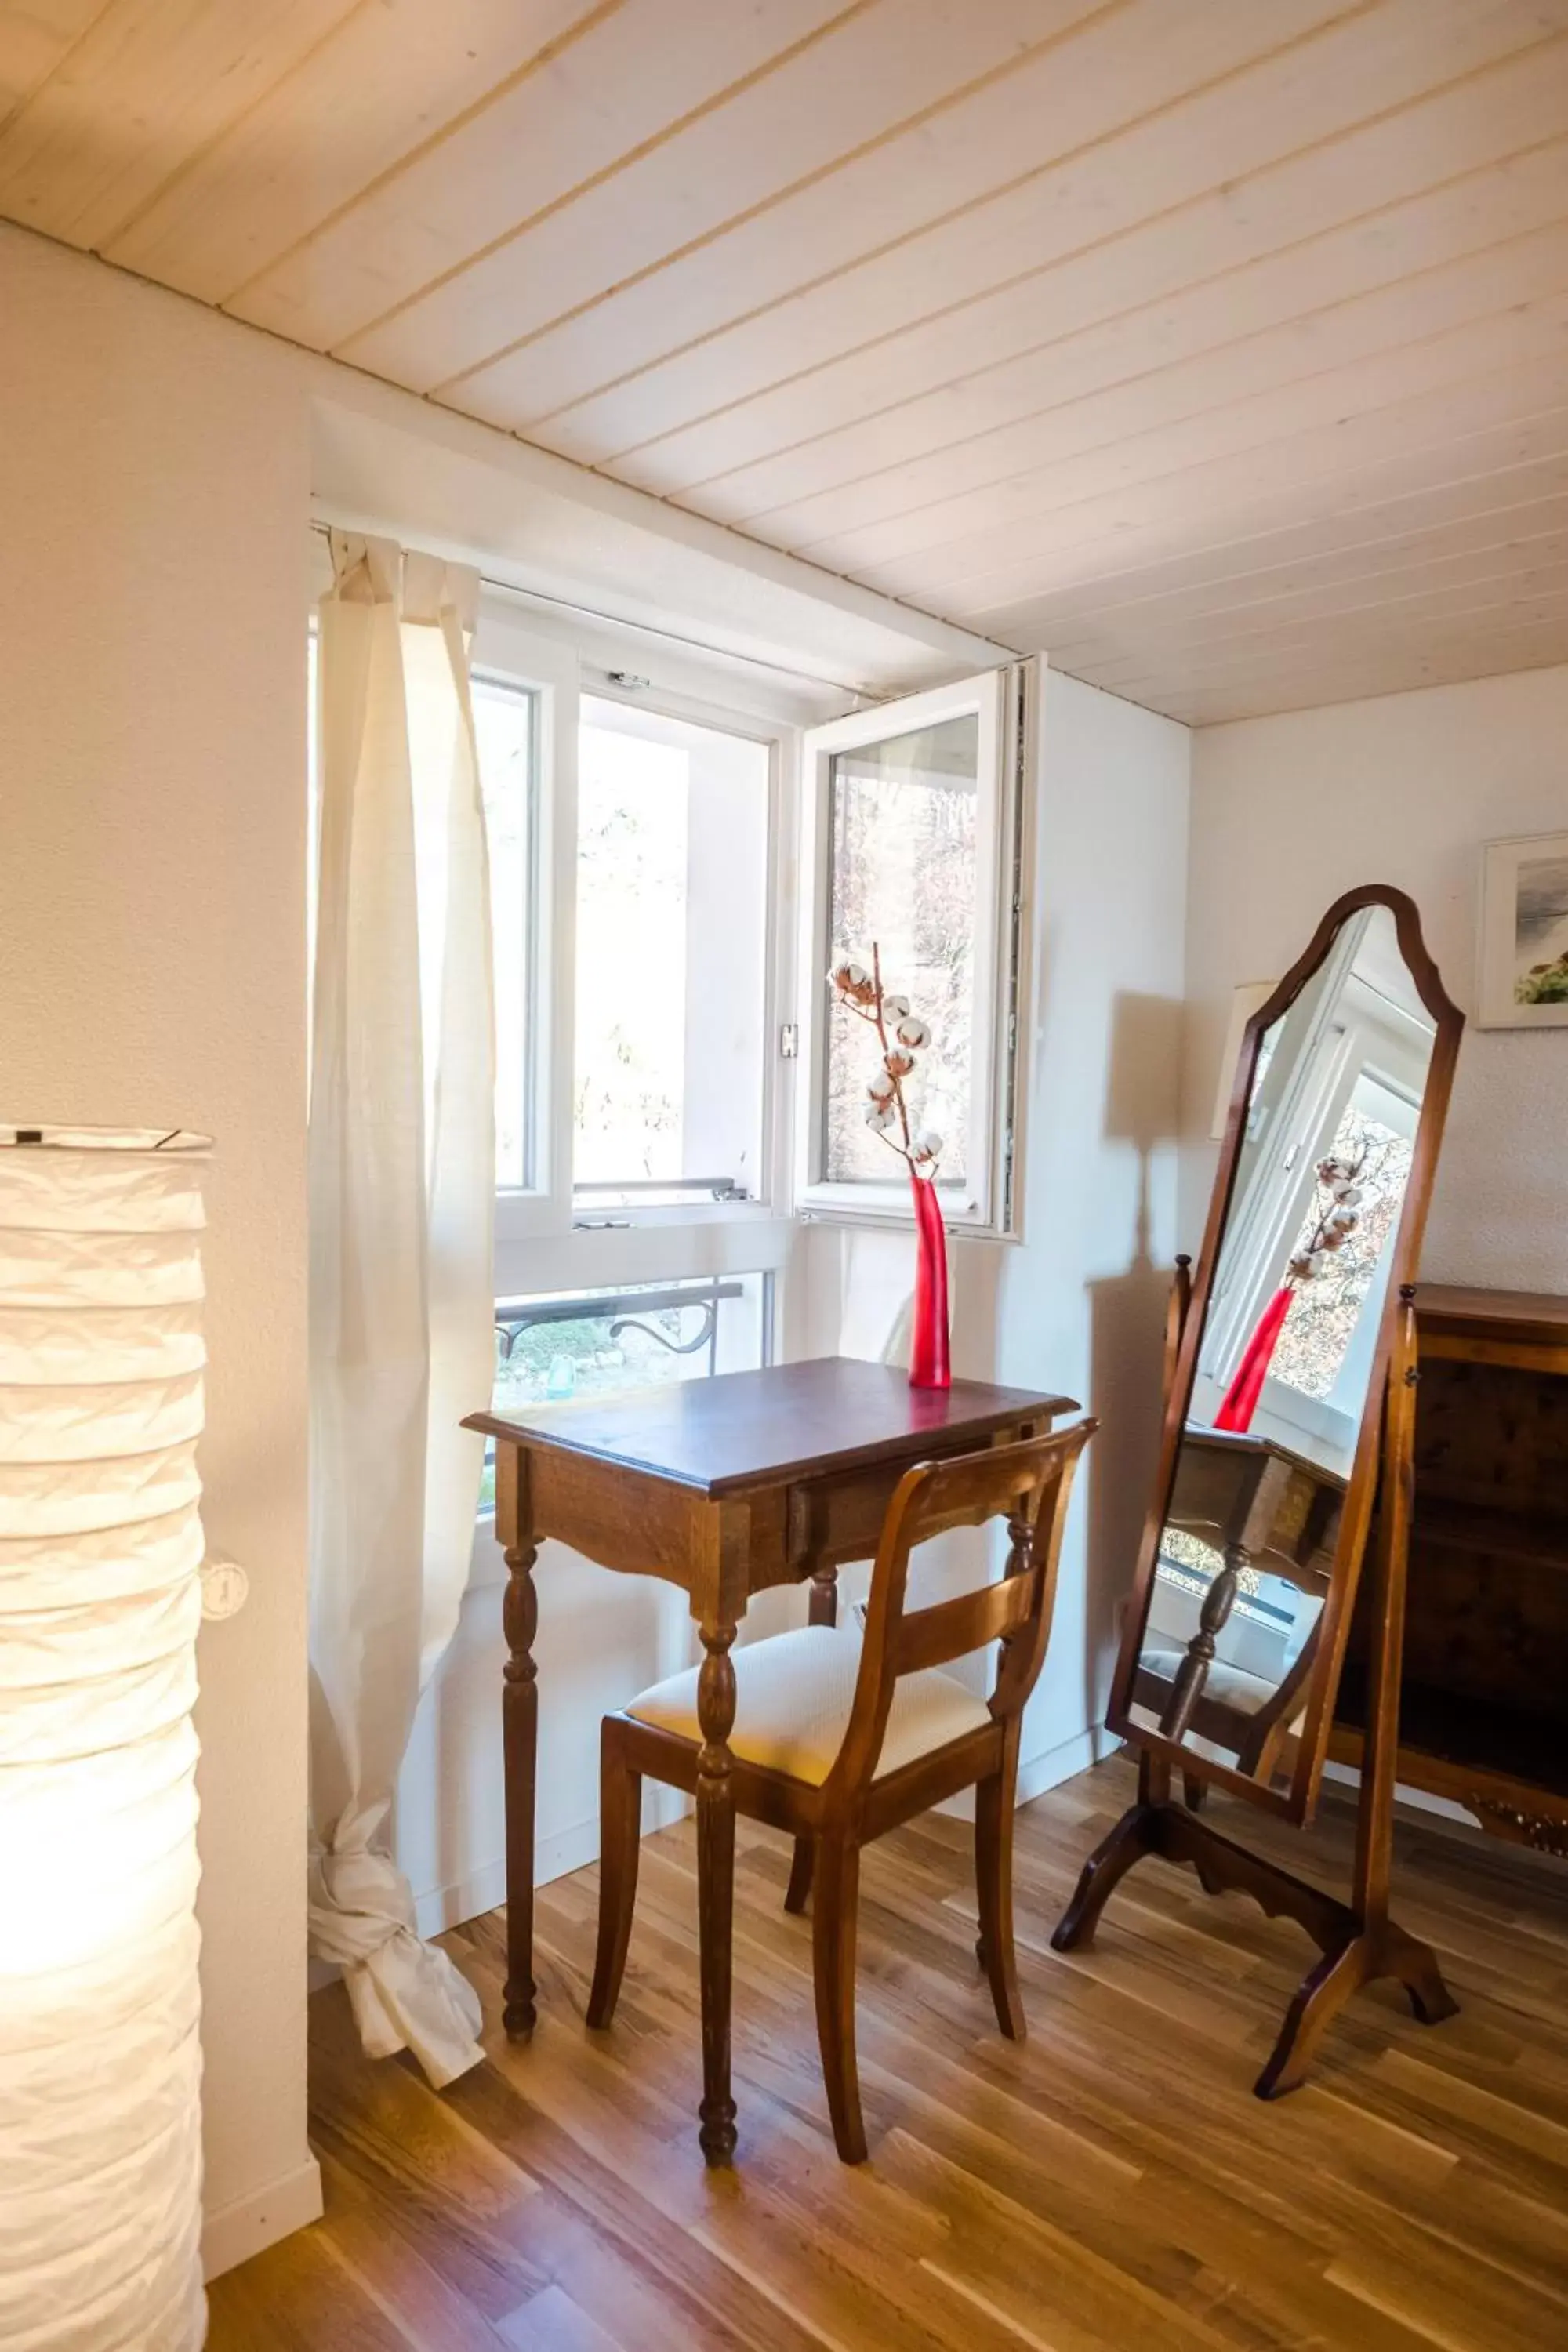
(100, 1548)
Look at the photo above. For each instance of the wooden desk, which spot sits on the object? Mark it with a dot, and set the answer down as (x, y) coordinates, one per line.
(722, 1486)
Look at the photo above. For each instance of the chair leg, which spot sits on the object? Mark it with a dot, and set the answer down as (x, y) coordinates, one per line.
(994, 1801)
(798, 1892)
(833, 1923)
(620, 1833)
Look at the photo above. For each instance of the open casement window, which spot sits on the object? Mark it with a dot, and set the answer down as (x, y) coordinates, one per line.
(911, 840)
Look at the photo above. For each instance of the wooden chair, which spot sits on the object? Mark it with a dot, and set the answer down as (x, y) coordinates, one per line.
(840, 1737)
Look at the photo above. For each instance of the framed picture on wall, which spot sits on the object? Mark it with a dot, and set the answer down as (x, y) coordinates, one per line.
(1522, 983)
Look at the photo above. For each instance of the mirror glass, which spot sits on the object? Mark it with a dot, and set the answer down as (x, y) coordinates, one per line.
(1285, 1356)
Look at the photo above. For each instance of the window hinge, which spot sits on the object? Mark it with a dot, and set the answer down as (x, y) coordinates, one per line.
(789, 1042)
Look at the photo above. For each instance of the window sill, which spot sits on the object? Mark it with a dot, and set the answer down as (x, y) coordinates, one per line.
(901, 1221)
(586, 1218)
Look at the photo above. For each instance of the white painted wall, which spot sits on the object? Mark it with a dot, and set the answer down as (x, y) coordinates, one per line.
(153, 485)
(1082, 1305)
(1288, 812)
(156, 468)
(1078, 1305)
(158, 465)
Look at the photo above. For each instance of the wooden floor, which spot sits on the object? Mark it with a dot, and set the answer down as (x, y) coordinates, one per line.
(1108, 2186)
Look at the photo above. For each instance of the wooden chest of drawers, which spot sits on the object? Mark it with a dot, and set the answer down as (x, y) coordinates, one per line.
(1484, 1719)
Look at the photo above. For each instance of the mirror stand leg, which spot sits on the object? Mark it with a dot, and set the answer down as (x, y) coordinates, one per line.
(1359, 1957)
(1416, 1968)
(1135, 1835)
(1370, 1945)
(1107, 1866)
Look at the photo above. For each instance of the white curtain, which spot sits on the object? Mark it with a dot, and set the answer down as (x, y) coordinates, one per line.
(402, 1162)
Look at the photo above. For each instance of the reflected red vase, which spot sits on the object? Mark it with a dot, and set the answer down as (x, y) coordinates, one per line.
(1241, 1397)
(929, 1366)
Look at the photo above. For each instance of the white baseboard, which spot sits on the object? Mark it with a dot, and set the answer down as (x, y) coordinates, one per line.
(1064, 1761)
(483, 1888)
(1419, 1800)
(1047, 1771)
(251, 2224)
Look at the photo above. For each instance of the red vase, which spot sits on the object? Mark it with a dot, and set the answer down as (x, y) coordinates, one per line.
(1241, 1397)
(929, 1366)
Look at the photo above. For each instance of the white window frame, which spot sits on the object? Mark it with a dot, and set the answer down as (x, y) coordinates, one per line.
(512, 655)
(986, 1203)
(781, 742)
(546, 1240)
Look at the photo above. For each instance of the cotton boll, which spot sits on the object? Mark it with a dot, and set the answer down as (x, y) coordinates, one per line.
(879, 1086)
(927, 1146)
(880, 1115)
(912, 1033)
(852, 981)
(895, 1008)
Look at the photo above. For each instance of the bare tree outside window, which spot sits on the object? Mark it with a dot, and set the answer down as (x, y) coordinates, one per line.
(631, 957)
(903, 831)
(1324, 1311)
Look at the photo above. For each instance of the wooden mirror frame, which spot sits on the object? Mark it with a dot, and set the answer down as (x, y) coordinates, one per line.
(1297, 1801)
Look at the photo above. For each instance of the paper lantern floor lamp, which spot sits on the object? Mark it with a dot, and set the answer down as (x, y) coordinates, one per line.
(100, 1549)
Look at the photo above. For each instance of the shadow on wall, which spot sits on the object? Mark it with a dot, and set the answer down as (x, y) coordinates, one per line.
(1127, 1324)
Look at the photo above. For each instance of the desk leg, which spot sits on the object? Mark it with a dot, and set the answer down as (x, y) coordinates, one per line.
(716, 1886)
(520, 1737)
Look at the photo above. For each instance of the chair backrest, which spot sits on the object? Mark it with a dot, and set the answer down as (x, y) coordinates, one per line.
(1026, 1484)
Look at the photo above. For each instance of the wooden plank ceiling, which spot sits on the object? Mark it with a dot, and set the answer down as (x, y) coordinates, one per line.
(1219, 347)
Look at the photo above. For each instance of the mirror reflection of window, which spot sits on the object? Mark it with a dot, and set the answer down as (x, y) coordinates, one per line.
(1320, 1344)
(1286, 1354)
(1337, 1088)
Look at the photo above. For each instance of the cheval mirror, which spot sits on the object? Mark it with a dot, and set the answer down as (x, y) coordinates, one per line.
(1289, 1413)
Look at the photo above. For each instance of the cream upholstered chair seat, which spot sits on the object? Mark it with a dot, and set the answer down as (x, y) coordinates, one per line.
(1233, 1687)
(792, 1699)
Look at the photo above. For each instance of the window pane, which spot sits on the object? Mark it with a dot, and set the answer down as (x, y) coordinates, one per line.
(672, 832)
(905, 875)
(505, 726)
(645, 1335)
(1325, 1312)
